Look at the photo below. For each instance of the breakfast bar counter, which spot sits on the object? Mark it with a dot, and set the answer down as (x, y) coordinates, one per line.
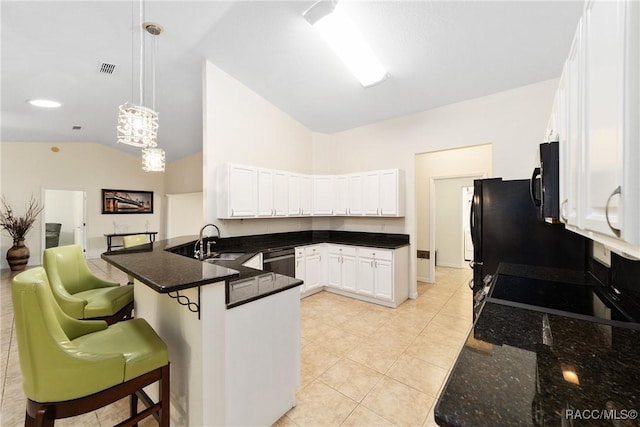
(235, 358)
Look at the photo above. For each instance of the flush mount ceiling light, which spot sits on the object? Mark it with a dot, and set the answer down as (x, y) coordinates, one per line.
(337, 28)
(44, 103)
(153, 159)
(137, 124)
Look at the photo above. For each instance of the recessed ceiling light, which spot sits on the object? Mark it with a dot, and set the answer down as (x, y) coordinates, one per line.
(44, 103)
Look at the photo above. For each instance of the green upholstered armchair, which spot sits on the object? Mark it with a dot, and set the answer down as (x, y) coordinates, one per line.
(79, 292)
(70, 366)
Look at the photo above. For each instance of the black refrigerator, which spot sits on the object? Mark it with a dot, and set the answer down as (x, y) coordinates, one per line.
(506, 226)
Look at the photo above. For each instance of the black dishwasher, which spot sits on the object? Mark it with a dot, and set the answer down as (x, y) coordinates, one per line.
(281, 261)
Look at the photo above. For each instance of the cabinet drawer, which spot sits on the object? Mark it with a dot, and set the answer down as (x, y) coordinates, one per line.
(343, 250)
(299, 252)
(310, 250)
(375, 253)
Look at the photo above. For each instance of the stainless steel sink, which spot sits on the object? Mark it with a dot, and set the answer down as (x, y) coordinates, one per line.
(226, 256)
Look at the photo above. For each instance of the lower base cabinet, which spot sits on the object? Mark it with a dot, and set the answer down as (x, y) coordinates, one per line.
(375, 275)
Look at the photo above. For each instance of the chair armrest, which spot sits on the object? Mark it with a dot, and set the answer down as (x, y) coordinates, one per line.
(97, 282)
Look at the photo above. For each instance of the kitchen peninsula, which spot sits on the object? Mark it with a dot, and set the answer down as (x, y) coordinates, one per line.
(229, 366)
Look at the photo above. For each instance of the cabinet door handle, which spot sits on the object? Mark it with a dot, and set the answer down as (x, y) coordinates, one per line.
(562, 214)
(615, 230)
(232, 214)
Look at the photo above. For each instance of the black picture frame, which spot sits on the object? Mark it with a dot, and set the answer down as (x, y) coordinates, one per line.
(127, 201)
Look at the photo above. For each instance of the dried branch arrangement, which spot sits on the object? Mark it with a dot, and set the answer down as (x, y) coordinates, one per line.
(19, 226)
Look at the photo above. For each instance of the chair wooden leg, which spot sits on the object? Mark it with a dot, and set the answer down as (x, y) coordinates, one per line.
(29, 421)
(44, 418)
(133, 406)
(165, 400)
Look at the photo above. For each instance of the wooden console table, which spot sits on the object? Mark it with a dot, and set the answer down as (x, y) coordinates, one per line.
(110, 245)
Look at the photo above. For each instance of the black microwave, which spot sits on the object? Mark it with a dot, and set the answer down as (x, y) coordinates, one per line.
(545, 183)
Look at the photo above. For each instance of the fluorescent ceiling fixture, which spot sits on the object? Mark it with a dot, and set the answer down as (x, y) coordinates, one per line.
(339, 31)
(44, 103)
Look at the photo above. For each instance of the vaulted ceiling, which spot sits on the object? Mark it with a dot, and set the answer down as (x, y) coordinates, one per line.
(436, 53)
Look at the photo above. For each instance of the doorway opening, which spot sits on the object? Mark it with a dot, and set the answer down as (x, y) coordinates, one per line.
(450, 213)
(64, 218)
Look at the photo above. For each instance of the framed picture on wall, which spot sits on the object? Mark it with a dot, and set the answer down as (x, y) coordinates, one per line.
(127, 202)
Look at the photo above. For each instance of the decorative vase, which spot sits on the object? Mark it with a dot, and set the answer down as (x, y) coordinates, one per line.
(18, 255)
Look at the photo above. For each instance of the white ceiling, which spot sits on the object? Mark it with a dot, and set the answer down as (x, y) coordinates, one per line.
(436, 52)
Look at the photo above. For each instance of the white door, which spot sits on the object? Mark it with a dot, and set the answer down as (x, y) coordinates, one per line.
(383, 272)
(322, 195)
(389, 192)
(354, 194)
(280, 193)
(366, 276)
(340, 189)
(295, 189)
(467, 198)
(334, 270)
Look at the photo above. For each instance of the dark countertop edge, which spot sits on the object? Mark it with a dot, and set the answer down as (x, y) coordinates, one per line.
(257, 297)
(112, 258)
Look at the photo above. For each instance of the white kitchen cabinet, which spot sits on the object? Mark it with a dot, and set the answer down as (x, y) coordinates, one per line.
(570, 135)
(299, 195)
(323, 200)
(354, 194)
(341, 194)
(310, 268)
(237, 191)
(392, 192)
(371, 193)
(300, 267)
(604, 109)
(273, 193)
(383, 193)
(600, 154)
(375, 273)
(249, 192)
(341, 267)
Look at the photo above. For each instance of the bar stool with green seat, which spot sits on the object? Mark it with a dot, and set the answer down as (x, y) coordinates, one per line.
(71, 367)
(80, 293)
(134, 240)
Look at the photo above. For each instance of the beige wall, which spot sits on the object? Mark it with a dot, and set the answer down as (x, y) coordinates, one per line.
(29, 168)
(242, 127)
(184, 175)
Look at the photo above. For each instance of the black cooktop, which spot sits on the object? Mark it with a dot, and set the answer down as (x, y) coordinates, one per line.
(584, 297)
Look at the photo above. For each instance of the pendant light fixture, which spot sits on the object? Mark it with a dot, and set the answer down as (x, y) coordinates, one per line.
(138, 124)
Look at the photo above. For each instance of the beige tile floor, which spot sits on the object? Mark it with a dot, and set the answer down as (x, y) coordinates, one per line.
(362, 364)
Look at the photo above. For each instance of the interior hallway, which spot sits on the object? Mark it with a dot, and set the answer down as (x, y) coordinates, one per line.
(362, 364)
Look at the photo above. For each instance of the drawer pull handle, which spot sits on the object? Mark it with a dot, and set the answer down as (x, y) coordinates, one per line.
(562, 215)
(615, 230)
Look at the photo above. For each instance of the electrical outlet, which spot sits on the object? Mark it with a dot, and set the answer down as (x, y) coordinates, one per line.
(601, 254)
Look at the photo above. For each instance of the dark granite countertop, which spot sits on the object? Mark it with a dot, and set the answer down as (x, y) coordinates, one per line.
(163, 271)
(167, 265)
(535, 368)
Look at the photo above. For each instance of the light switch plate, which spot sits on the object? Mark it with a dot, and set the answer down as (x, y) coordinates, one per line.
(601, 254)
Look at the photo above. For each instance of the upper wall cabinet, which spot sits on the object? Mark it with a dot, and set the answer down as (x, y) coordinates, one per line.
(237, 191)
(249, 192)
(273, 193)
(596, 119)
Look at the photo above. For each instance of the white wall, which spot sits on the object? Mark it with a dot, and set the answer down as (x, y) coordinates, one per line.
(28, 168)
(242, 127)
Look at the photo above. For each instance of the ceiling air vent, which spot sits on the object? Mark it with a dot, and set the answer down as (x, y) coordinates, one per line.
(106, 68)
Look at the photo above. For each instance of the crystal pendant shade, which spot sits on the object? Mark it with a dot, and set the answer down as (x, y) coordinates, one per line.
(153, 159)
(137, 126)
